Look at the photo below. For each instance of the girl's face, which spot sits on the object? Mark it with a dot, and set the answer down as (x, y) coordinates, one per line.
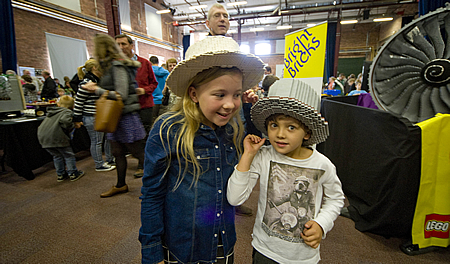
(218, 99)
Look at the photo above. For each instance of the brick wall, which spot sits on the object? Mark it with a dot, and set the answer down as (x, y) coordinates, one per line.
(31, 27)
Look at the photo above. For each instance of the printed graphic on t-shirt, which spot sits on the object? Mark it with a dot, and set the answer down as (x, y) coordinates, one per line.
(291, 193)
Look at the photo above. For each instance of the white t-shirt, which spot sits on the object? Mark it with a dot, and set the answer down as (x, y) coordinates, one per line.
(292, 192)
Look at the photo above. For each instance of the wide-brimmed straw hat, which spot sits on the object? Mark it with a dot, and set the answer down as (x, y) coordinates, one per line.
(215, 51)
(296, 99)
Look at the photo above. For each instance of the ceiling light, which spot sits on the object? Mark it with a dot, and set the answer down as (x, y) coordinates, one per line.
(232, 31)
(383, 19)
(164, 11)
(257, 29)
(198, 7)
(349, 21)
(284, 27)
(237, 3)
(310, 25)
(284, 11)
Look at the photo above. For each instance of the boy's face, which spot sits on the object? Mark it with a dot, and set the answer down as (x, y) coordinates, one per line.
(286, 135)
(61, 93)
(218, 99)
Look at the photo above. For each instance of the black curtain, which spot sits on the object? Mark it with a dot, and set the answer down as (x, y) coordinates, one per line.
(186, 43)
(426, 6)
(7, 36)
(330, 49)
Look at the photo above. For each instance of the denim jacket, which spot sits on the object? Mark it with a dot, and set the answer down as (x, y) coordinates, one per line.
(189, 219)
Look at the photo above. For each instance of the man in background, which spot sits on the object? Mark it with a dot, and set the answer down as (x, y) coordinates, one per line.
(39, 85)
(145, 79)
(49, 87)
(218, 20)
(147, 83)
(161, 76)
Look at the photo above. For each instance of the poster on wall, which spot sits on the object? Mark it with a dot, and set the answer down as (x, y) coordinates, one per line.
(304, 55)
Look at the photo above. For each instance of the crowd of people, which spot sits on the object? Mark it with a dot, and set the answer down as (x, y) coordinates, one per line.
(197, 133)
(344, 86)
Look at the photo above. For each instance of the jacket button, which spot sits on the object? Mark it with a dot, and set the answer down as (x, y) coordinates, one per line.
(216, 146)
(218, 169)
(218, 215)
(220, 191)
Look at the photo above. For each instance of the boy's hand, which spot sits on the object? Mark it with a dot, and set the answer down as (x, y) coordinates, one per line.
(312, 234)
(252, 144)
(250, 96)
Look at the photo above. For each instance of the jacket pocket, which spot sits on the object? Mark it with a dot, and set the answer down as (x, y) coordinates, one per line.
(231, 155)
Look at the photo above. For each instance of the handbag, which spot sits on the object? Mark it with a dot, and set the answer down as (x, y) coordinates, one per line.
(107, 113)
(166, 97)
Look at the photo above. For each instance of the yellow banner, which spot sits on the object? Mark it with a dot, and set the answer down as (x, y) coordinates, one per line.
(304, 52)
(432, 215)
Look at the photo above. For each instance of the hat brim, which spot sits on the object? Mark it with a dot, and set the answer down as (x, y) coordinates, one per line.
(306, 114)
(251, 66)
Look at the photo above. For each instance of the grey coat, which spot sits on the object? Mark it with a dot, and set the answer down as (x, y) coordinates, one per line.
(54, 131)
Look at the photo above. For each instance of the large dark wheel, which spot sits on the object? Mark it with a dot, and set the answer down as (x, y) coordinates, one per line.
(410, 75)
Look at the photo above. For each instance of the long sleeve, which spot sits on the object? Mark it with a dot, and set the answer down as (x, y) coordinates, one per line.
(154, 190)
(333, 201)
(241, 184)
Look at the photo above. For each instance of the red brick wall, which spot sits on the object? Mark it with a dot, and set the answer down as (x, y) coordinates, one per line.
(31, 27)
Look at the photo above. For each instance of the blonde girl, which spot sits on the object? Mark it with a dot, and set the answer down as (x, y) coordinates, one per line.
(84, 114)
(190, 154)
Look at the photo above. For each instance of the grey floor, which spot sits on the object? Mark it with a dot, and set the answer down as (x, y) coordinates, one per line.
(43, 221)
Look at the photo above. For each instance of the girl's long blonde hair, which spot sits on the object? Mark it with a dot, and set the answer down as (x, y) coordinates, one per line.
(187, 114)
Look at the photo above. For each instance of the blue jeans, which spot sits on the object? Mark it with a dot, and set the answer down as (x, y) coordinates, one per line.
(63, 157)
(96, 143)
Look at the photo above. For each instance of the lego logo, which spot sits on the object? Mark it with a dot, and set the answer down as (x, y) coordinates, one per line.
(437, 226)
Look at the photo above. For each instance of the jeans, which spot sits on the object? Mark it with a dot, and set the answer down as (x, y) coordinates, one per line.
(97, 142)
(63, 157)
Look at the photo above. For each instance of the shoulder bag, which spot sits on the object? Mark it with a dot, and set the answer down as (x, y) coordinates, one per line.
(108, 113)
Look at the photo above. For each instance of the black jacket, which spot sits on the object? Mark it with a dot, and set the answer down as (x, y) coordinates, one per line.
(49, 90)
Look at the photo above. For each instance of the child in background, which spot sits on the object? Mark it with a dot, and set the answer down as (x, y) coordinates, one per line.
(54, 136)
(300, 193)
(358, 90)
(190, 154)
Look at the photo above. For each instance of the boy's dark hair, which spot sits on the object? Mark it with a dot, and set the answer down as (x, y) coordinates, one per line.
(130, 40)
(268, 68)
(268, 81)
(154, 60)
(275, 116)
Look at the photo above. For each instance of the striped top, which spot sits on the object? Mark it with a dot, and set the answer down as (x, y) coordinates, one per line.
(85, 101)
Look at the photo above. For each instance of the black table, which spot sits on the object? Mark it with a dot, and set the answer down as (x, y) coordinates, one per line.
(21, 147)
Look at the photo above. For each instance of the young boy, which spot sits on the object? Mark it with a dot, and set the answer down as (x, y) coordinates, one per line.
(54, 136)
(300, 193)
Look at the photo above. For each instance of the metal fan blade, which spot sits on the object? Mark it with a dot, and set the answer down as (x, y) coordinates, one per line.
(400, 47)
(394, 92)
(386, 85)
(390, 60)
(447, 33)
(434, 33)
(445, 94)
(389, 72)
(400, 102)
(417, 39)
(412, 109)
(426, 108)
(438, 105)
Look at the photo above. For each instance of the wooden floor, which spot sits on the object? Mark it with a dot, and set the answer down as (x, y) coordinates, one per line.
(43, 221)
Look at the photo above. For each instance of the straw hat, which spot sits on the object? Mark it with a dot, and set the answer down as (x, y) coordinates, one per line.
(296, 99)
(215, 51)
